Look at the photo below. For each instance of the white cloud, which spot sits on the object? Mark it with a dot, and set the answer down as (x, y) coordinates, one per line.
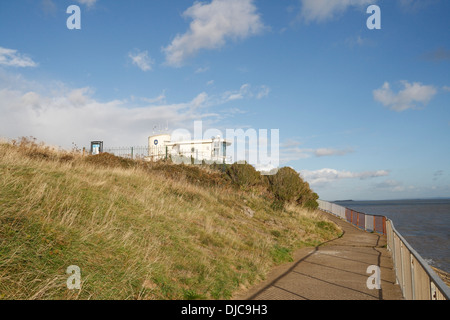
(237, 95)
(291, 150)
(293, 153)
(161, 99)
(88, 3)
(49, 7)
(359, 41)
(234, 111)
(388, 184)
(416, 5)
(438, 55)
(405, 99)
(200, 100)
(446, 88)
(11, 58)
(323, 10)
(202, 70)
(212, 25)
(324, 152)
(324, 176)
(246, 91)
(141, 60)
(394, 186)
(59, 115)
(263, 92)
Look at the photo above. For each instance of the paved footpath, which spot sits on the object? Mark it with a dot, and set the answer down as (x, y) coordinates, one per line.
(335, 270)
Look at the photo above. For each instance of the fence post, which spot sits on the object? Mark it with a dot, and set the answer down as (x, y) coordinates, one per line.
(402, 268)
(411, 265)
(393, 251)
(132, 149)
(433, 291)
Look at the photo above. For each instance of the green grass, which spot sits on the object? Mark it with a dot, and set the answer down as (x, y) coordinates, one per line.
(281, 254)
(137, 230)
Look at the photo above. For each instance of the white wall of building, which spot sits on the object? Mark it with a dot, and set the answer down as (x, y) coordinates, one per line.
(209, 150)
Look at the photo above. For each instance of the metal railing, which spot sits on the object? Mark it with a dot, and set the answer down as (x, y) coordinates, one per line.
(161, 153)
(368, 222)
(414, 276)
(128, 152)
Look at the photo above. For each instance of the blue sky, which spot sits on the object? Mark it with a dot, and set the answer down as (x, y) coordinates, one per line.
(362, 114)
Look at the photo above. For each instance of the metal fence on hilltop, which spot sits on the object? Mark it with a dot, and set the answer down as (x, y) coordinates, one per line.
(162, 153)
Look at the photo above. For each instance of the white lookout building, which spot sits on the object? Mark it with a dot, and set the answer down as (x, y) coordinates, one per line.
(208, 150)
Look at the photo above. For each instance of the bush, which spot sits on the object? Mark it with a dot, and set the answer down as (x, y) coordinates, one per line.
(287, 186)
(277, 205)
(191, 173)
(309, 200)
(110, 160)
(34, 150)
(244, 175)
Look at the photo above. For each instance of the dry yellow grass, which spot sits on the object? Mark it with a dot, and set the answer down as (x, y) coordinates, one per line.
(137, 231)
(445, 276)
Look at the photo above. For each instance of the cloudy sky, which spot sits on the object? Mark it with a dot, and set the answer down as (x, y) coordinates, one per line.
(362, 114)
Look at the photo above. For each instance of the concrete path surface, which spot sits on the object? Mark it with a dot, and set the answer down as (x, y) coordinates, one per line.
(336, 270)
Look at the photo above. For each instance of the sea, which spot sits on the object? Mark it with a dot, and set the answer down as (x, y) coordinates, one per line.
(425, 224)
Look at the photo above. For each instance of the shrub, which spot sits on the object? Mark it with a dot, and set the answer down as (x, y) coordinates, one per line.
(277, 205)
(309, 200)
(192, 173)
(29, 147)
(287, 186)
(110, 160)
(244, 175)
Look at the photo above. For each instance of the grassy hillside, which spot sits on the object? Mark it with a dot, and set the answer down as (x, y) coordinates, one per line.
(137, 230)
